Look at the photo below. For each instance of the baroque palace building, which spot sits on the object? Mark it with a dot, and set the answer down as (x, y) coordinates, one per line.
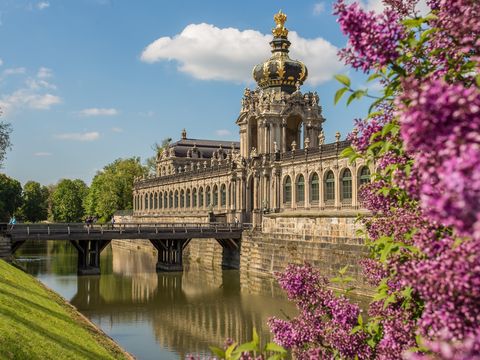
(280, 165)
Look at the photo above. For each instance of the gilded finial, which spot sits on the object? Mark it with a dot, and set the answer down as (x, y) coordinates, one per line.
(280, 30)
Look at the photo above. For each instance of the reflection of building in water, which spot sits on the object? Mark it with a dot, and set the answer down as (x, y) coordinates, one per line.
(188, 311)
(139, 266)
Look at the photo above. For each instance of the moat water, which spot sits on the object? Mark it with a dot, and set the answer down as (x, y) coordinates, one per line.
(159, 315)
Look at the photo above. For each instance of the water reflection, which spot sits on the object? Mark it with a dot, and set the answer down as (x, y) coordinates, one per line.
(164, 315)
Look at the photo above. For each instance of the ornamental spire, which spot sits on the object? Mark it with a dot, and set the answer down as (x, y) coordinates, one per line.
(280, 30)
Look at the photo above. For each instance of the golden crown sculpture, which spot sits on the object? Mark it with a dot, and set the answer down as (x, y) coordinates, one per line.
(280, 30)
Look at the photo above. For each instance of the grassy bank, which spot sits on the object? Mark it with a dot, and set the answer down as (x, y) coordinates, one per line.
(36, 323)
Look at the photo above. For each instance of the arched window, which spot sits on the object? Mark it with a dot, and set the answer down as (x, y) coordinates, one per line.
(329, 187)
(300, 189)
(170, 200)
(150, 206)
(314, 188)
(182, 198)
(146, 202)
(207, 196)
(364, 176)
(194, 198)
(160, 198)
(155, 203)
(200, 197)
(346, 190)
(165, 200)
(287, 191)
(215, 195)
(176, 199)
(187, 199)
(223, 195)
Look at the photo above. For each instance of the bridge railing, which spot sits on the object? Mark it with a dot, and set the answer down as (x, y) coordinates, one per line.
(77, 228)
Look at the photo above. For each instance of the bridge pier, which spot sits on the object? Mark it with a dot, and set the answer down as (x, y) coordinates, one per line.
(89, 255)
(170, 254)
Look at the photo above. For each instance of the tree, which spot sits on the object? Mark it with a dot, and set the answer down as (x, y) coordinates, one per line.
(67, 200)
(151, 162)
(35, 202)
(5, 144)
(112, 187)
(10, 196)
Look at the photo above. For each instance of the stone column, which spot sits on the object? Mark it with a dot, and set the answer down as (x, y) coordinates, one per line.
(307, 191)
(284, 135)
(337, 188)
(354, 187)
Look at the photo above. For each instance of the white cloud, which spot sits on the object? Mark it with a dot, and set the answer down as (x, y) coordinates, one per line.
(14, 71)
(88, 136)
(34, 94)
(26, 98)
(42, 153)
(207, 52)
(1, 62)
(117, 129)
(43, 102)
(44, 73)
(43, 5)
(223, 132)
(318, 8)
(98, 112)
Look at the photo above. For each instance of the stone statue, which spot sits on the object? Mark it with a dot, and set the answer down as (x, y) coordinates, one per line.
(294, 145)
(321, 138)
(337, 136)
(253, 152)
(275, 147)
(307, 143)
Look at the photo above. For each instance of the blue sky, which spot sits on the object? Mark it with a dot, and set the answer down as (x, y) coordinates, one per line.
(84, 82)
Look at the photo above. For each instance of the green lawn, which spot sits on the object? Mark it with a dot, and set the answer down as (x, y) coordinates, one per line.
(36, 323)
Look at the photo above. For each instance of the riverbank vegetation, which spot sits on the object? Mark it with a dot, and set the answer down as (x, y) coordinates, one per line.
(36, 323)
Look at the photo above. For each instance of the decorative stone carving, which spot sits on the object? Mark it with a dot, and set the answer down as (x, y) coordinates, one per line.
(337, 136)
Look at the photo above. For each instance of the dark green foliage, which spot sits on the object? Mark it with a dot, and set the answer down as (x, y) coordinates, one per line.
(111, 188)
(35, 202)
(5, 144)
(67, 200)
(10, 196)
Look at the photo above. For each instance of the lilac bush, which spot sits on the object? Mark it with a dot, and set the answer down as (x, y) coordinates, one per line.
(423, 232)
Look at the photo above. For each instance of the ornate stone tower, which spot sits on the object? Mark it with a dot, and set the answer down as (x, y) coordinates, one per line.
(276, 116)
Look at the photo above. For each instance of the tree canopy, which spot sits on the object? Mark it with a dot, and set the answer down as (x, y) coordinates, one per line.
(111, 188)
(10, 196)
(67, 200)
(5, 144)
(35, 202)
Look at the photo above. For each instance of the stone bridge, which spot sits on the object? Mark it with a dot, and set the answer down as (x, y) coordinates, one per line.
(169, 239)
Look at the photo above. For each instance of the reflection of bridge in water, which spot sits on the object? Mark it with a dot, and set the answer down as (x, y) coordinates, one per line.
(170, 239)
(188, 311)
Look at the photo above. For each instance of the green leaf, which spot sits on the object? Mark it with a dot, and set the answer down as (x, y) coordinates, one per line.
(358, 94)
(373, 77)
(343, 79)
(339, 94)
(343, 270)
(249, 346)
(228, 352)
(347, 152)
(217, 351)
(271, 346)
(360, 319)
(256, 339)
(477, 80)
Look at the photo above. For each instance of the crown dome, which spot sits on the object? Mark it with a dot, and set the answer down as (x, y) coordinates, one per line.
(280, 71)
